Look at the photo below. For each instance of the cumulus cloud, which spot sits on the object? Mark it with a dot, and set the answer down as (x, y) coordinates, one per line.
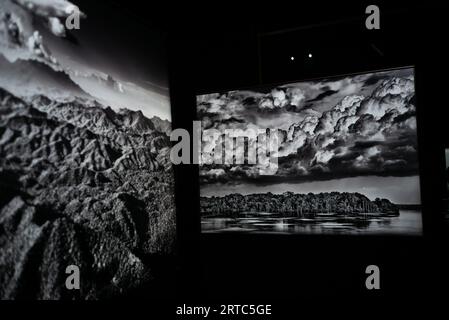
(53, 11)
(19, 39)
(369, 130)
(22, 26)
(56, 26)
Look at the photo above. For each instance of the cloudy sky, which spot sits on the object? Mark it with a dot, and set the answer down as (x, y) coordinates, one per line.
(340, 134)
(112, 58)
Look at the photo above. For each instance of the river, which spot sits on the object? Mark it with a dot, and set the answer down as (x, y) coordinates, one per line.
(409, 222)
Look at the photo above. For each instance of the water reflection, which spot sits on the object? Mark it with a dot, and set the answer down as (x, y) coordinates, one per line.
(408, 222)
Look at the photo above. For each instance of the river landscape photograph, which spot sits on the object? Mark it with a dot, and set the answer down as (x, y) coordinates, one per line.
(346, 163)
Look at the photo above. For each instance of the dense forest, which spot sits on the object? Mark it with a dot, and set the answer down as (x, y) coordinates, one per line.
(293, 204)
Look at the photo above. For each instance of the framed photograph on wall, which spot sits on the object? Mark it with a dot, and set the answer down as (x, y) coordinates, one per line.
(85, 175)
(345, 161)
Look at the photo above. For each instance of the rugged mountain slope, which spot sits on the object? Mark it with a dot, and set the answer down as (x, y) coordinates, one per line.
(83, 185)
(161, 125)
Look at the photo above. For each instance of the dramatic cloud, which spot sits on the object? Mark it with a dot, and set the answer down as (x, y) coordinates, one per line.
(366, 125)
(33, 32)
(18, 37)
(323, 95)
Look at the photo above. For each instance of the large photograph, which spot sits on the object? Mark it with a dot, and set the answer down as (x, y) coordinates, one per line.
(346, 158)
(85, 176)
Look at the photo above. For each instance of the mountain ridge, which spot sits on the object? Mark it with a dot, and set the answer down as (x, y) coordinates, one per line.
(80, 184)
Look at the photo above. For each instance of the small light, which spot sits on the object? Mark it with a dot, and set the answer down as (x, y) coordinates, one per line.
(292, 58)
(310, 55)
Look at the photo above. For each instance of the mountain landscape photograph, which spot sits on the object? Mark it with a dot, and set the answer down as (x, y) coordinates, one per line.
(347, 161)
(85, 174)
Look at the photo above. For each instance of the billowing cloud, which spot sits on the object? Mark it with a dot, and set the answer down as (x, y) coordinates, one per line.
(370, 130)
(55, 68)
(19, 39)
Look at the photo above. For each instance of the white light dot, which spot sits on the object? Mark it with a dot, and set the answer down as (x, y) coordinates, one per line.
(292, 58)
(310, 55)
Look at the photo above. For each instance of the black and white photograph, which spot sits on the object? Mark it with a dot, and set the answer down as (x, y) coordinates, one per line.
(193, 160)
(85, 174)
(347, 160)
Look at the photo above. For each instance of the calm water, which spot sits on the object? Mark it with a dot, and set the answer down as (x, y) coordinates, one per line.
(409, 222)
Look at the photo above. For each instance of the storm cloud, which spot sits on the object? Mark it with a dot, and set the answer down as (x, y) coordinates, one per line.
(36, 48)
(363, 125)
